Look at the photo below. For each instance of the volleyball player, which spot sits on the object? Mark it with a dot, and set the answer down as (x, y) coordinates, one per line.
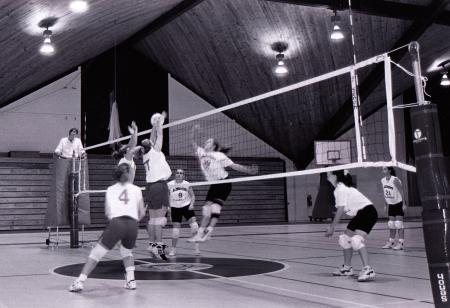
(125, 153)
(364, 216)
(157, 193)
(182, 200)
(124, 207)
(395, 207)
(213, 161)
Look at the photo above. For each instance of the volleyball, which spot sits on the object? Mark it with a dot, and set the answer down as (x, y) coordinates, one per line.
(155, 118)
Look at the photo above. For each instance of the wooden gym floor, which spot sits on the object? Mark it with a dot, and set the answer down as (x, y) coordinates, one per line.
(245, 266)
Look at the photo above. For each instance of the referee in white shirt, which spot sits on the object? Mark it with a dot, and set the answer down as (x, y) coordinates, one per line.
(70, 146)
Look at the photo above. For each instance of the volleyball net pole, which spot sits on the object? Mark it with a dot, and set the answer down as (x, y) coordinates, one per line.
(433, 186)
(73, 204)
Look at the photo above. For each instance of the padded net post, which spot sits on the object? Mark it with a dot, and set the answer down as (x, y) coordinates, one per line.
(389, 108)
(434, 188)
(73, 208)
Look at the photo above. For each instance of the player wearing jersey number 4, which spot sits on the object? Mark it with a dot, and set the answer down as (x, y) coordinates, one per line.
(124, 207)
(395, 206)
(213, 161)
(364, 216)
(182, 200)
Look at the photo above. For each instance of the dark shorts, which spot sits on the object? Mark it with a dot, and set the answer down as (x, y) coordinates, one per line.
(364, 220)
(178, 213)
(218, 193)
(124, 229)
(396, 209)
(157, 195)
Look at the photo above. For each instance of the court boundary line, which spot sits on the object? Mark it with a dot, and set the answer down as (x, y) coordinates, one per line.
(272, 287)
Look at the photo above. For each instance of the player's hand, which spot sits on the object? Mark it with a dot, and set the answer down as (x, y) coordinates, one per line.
(164, 114)
(329, 232)
(404, 208)
(253, 169)
(133, 128)
(385, 209)
(191, 207)
(196, 127)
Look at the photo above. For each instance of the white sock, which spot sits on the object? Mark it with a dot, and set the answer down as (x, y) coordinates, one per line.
(130, 273)
(391, 240)
(209, 229)
(201, 230)
(82, 277)
(401, 240)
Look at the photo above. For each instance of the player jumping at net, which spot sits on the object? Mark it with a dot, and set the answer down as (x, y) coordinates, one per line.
(156, 192)
(364, 216)
(213, 161)
(124, 207)
(126, 153)
(395, 206)
(182, 200)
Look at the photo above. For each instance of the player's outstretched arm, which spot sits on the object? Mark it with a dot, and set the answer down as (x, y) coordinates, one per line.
(253, 169)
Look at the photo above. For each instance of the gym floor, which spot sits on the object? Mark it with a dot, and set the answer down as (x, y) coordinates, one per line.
(245, 266)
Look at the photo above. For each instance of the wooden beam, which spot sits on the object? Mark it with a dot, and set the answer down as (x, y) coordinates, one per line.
(162, 20)
(329, 131)
(381, 8)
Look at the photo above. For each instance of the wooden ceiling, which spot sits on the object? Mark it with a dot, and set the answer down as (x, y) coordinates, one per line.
(221, 49)
(77, 37)
(230, 59)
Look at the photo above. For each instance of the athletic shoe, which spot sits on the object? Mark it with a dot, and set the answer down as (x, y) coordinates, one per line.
(154, 251)
(195, 238)
(76, 286)
(399, 246)
(206, 236)
(160, 248)
(389, 245)
(366, 274)
(173, 252)
(344, 271)
(130, 285)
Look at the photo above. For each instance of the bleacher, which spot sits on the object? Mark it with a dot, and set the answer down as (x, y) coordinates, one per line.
(25, 185)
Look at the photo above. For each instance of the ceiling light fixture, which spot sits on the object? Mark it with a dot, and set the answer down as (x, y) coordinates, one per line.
(79, 6)
(336, 33)
(47, 47)
(281, 67)
(445, 82)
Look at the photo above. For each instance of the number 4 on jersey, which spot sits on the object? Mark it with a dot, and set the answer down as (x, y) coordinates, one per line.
(124, 196)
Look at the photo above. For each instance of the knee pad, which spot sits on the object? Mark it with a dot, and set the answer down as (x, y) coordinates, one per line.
(98, 252)
(175, 232)
(357, 242)
(125, 252)
(215, 208)
(345, 241)
(391, 224)
(194, 227)
(206, 210)
(215, 215)
(398, 224)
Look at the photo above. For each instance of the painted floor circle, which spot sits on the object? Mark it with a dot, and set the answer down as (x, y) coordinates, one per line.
(177, 269)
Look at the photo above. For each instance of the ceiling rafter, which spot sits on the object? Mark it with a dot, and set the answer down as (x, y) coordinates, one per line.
(334, 125)
(381, 8)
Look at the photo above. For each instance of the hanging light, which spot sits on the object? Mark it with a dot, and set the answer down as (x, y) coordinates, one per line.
(336, 33)
(78, 6)
(445, 82)
(281, 67)
(47, 47)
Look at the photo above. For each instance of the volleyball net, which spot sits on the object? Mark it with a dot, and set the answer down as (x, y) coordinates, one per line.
(373, 141)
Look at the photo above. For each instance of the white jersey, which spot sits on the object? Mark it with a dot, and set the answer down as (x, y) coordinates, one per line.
(350, 198)
(391, 194)
(123, 200)
(179, 194)
(213, 164)
(132, 165)
(156, 166)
